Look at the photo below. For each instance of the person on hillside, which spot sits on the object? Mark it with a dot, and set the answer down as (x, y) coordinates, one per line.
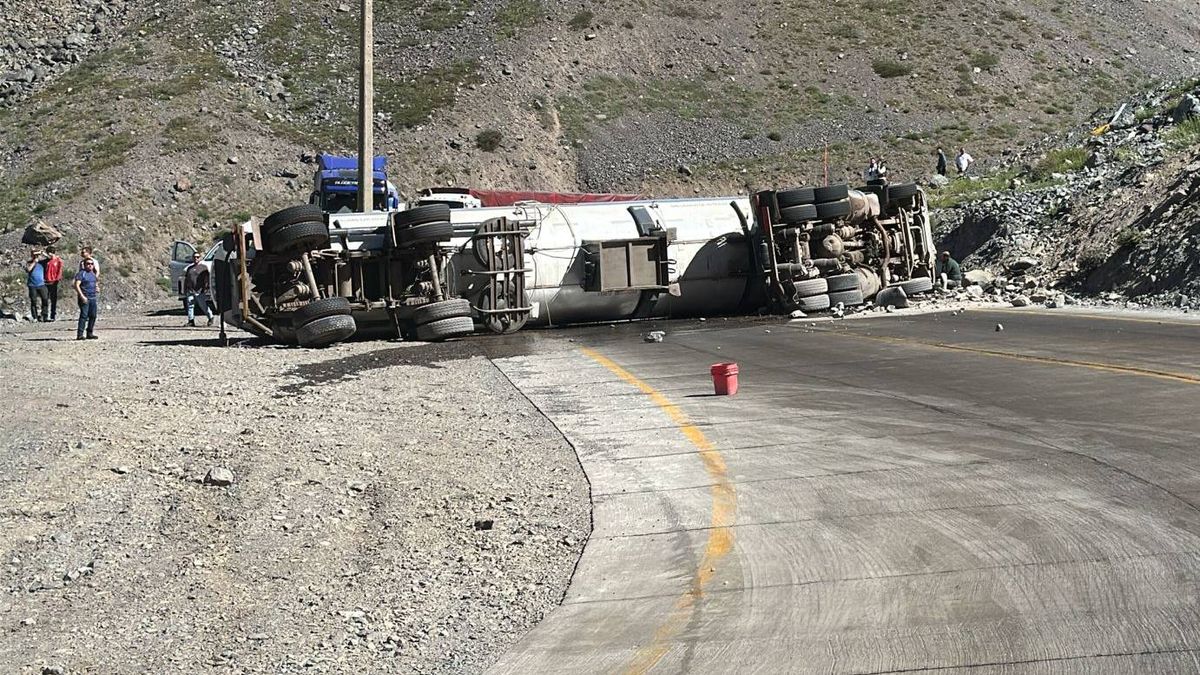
(195, 288)
(949, 272)
(54, 274)
(963, 162)
(881, 170)
(86, 255)
(87, 290)
(35, 280)
(872, 172)
(941, 161)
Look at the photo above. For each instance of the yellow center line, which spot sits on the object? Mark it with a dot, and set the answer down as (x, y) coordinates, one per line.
(1031, 358)
(720, 534)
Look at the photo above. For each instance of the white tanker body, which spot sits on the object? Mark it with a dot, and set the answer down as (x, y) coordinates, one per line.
(616, 261)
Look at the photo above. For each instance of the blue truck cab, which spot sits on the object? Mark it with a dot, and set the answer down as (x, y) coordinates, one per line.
(335, 185)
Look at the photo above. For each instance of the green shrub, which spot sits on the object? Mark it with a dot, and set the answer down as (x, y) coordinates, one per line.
(1129, 237)
(775, 136)
(887, 68)
(1059, 161)
(582, 19)
(1185, 135)
(489, 140)
(984, 61)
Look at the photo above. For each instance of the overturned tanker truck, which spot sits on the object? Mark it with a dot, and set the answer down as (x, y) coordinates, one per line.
(433, 272)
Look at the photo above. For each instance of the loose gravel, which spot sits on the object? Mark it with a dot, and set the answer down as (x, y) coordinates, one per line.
(171, 506)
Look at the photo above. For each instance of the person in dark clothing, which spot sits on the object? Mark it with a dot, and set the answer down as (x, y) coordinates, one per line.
(35, 280)
(949, 271)
(941, 162)
(54, 274)
(195, 288)
(87, 288)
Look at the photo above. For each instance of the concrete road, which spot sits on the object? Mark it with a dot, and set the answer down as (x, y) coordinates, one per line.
(901, 494)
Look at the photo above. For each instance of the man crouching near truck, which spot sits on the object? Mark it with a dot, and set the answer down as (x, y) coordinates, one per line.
(949, 272)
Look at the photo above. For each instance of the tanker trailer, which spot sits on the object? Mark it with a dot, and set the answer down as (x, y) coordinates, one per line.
(605, 261)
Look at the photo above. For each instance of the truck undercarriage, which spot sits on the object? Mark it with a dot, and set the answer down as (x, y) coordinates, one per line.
(431, 272)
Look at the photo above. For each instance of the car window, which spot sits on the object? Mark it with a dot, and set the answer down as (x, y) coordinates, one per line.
(182, 252)
(212, 252)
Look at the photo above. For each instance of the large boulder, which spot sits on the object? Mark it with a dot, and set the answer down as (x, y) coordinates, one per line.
(982, 278)
(40, 234)
(1189, 107)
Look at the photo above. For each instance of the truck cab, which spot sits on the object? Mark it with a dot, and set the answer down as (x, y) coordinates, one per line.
(335, 185)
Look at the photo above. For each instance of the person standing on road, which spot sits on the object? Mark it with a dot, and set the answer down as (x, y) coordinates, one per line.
(87, 288)
(949, 272)
(35, 280)
(54, 273)
(941, 161)
(963, 161)
(195, 288)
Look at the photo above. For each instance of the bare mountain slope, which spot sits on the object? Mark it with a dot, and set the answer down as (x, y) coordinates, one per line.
(175, 121)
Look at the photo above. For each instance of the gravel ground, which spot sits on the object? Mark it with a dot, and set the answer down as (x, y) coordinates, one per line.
(393, 505)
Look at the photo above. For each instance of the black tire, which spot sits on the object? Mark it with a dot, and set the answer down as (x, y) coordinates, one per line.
(806, 288)
(814, 303)
(297, 237)
(319, 309)
(847, 298)
(326, 331)
(430, 213)
(916, 286)
(424, 234)
(305, 213)
(901, 192)
(795, 197)
(798, 214)
(833, 210)
(445, 329)
(844, 282)
(831, 193)
(437, 311)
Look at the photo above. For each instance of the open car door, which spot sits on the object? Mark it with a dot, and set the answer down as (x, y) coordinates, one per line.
(181, 257)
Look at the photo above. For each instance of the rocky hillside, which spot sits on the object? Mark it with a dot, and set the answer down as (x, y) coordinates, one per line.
(1113, 214)
(129, 123)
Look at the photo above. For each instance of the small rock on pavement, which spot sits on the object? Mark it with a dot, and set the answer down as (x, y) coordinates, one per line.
(999, 327)
(798, 315)
(654, 336)
(219, 476)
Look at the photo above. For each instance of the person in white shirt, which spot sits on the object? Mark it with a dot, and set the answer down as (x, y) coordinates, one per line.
(963, 161)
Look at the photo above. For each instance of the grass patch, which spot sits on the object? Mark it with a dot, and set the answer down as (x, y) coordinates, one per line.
(582, 19)
(607, 97)
(517, 15)
(1058, 161)
(888, 68)
(186, 133)
(961, 191)
(985, 61)
(412, 102)
(489, 140)
(1184, 135)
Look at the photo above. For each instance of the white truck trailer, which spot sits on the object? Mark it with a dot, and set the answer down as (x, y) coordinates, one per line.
(432, 272)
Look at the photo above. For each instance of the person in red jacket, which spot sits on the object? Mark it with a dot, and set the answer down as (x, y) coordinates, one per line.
(54, 274)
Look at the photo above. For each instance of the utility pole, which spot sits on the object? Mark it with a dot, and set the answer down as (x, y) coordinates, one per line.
(366, 110)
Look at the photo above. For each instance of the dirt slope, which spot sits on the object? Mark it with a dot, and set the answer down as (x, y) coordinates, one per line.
(663, 97)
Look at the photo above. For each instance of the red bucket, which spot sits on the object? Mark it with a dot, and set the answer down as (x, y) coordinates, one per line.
(725, 378)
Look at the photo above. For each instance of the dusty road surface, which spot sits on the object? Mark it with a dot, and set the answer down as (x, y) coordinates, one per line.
(907, 494)
(393, 507)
